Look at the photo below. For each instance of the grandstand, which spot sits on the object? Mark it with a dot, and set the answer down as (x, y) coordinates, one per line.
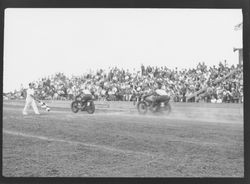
(220, 83)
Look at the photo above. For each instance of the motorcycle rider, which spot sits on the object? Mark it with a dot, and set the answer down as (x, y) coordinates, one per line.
(159, 95)
(84, 95)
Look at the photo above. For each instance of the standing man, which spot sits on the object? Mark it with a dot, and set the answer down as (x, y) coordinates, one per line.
(30, 100)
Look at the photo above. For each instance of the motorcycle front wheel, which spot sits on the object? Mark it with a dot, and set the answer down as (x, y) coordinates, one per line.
(91, 108)
(74, 107)
(142, 107)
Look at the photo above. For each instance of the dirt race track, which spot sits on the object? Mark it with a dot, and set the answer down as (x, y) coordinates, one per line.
(195, 140)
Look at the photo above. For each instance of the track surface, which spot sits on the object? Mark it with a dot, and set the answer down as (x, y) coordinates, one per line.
(196, 140)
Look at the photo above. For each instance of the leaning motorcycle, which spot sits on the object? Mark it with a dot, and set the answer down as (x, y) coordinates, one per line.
(78, 104)
(145, 104)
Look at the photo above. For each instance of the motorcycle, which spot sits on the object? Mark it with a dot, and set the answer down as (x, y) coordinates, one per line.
(78, 104)
(136, 97)
(146, 103)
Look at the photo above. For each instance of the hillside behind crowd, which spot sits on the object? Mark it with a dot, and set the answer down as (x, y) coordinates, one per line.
(123, 85)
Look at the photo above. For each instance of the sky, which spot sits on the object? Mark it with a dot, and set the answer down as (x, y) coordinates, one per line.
(42, 42)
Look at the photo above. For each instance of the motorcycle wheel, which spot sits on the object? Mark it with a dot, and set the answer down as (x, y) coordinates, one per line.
(74, 107)
(142, 107)
(167, 109)
(91, 108)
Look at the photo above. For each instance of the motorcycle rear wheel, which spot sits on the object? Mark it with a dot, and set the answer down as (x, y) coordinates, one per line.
(167, 109)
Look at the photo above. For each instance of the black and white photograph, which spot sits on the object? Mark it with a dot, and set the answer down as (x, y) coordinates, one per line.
(123, 92)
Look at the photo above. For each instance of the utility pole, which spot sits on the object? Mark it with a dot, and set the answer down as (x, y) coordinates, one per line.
(240, 50)
(240, 54)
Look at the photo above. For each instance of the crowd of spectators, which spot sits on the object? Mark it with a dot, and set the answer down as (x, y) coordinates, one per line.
(119, 84)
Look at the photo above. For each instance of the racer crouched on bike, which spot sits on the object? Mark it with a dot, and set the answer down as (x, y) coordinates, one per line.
(84, 96)
(159, 95)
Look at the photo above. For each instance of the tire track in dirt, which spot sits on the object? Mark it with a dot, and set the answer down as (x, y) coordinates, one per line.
(99, 147)
(129, 113)
(112, 149)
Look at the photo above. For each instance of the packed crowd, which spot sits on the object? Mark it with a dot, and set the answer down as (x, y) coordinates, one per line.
(119, 84)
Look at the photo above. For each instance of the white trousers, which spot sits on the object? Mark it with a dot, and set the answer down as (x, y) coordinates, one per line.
(30, 102)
